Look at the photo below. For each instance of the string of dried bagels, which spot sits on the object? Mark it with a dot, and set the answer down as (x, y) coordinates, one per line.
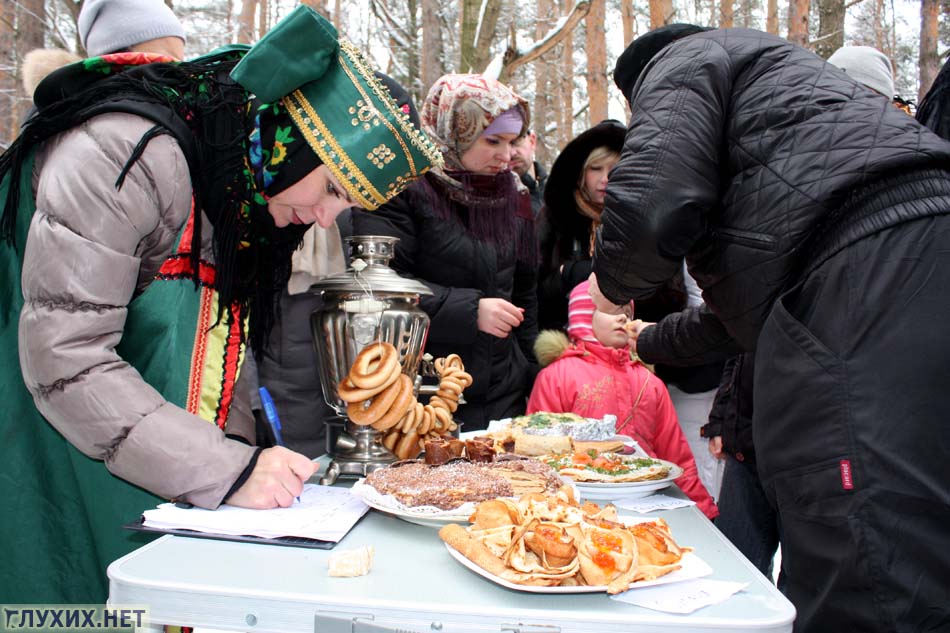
(378, 394)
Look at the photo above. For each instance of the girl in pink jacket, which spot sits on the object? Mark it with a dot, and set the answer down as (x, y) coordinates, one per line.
(593, 374)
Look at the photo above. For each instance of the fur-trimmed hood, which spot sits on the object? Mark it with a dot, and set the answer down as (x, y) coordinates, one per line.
(40, 62)
(549, 346)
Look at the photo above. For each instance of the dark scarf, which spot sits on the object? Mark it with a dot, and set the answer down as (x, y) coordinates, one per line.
(494, 209)
(210, 117)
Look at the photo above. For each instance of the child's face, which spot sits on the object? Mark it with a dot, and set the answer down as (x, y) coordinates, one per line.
(609, 330)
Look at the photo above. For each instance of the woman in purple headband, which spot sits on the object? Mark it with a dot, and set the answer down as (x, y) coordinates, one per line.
(467, 231)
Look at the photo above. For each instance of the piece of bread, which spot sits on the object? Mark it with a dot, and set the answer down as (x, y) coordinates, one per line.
(351, 563)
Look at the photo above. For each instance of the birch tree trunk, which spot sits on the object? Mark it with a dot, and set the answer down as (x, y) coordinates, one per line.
(771, 17)
(830, 27)
(726, 14)
(485, 34)
(433, 51)
(468, 22)
(245, 34)
(596, 45)
(661, 13)
(929, 37)
(798, 21)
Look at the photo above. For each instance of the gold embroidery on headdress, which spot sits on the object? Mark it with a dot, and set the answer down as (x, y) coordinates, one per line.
(380, 156)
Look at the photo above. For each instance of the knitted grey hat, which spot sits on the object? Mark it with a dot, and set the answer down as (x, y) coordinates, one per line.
(107, 26)
(866, 65)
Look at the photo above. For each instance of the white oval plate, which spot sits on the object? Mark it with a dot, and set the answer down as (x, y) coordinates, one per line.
(627, 490)
(692, 567)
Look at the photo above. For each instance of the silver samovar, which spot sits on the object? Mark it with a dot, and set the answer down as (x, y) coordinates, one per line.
(368, 302)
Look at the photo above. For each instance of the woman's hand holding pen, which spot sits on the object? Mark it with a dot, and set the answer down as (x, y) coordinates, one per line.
(277, 478)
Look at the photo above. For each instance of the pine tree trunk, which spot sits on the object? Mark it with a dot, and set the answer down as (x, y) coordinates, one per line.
(929, 37)
(596, 45)
(627, 17)
(830, 27)
(8, 80)
(880, 30)
(726, 14)
(245, 34)
(771, 18)
(433, 52)
(30, 34)
(320, 6)
(565, 126)
(262, 18)
(661, 13)
(798, 21)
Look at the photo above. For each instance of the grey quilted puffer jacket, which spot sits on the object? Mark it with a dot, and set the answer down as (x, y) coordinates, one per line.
(109, 244)
(740, 147)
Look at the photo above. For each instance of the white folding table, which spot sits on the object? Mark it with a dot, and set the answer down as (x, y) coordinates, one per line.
(414, 586)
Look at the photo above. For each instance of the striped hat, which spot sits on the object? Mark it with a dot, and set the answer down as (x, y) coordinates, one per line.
(580, 314)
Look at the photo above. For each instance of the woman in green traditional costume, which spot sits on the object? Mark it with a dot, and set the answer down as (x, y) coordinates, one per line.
(149, 211)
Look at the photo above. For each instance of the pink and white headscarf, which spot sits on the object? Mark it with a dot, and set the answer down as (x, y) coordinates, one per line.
(580, 314)
(459, 108)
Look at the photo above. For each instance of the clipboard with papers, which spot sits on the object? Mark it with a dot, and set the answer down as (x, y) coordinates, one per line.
(320, 519)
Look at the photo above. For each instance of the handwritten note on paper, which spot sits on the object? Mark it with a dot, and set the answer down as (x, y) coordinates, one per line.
(323, 513)
(652, 503)
(682, 597)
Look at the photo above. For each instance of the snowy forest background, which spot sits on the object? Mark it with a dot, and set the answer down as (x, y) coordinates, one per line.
(559, 54)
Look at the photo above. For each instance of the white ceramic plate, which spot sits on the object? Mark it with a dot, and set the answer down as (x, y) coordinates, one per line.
(428, 516)
(627, 490)
(692, 567)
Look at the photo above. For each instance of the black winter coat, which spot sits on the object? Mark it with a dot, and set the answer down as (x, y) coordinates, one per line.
(741, 149)
(731, 414)
(461, 270)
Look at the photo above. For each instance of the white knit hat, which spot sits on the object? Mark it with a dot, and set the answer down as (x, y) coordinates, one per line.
(107, 26)
(866, 65)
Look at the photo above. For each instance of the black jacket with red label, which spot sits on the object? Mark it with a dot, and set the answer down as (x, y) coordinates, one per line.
(742, 148)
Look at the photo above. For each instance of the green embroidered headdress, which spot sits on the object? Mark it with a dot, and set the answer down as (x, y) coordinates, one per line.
(342, 110)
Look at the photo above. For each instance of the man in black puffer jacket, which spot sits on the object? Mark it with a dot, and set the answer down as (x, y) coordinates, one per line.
(814, 216)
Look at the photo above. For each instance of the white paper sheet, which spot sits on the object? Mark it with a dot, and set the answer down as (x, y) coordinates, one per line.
(651, 503)
(323, 513)
(682, 597)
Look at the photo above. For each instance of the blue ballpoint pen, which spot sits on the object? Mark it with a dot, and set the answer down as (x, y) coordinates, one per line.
(270, 412)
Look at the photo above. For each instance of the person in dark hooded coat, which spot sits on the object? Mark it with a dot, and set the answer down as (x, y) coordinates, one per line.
(814, 216)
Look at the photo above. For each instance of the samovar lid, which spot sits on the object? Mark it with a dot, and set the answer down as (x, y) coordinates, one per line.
(369, 270)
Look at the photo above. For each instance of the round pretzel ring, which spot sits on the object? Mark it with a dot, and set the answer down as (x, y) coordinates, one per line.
(407, 446)
(373, 365)
(400, 407)
(369, 411)
(390, 439)
(350, 393)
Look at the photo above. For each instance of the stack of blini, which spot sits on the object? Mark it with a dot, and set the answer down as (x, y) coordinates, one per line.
(378, 394)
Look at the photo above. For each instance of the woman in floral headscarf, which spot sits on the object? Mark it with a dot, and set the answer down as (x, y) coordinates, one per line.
(467, 232)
